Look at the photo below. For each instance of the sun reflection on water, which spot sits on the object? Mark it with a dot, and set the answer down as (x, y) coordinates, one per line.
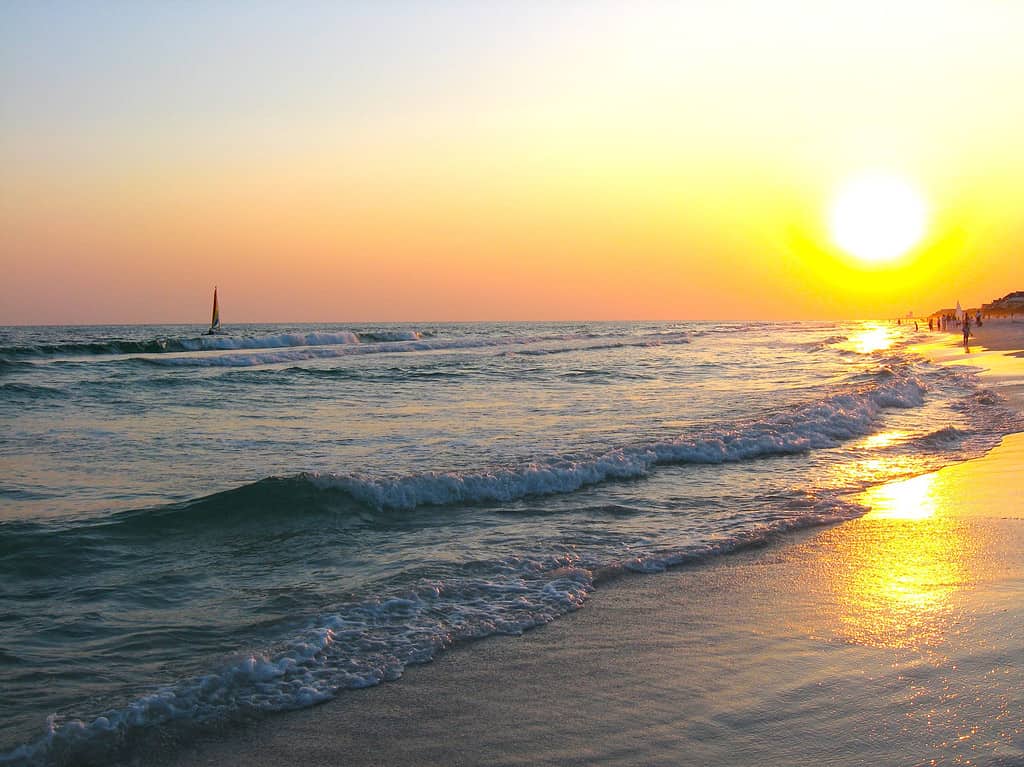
(872, 337)
(907, 499)
(883, 439)
(875, 468)
(901, 566)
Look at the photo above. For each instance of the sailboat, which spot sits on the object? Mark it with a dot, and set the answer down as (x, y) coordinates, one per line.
(215, 319)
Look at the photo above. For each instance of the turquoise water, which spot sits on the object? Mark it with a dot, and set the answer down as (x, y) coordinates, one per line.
(195, 529)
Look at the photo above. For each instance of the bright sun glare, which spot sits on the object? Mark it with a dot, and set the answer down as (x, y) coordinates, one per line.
(877, 216)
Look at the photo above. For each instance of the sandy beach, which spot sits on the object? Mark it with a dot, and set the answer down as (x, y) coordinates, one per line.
(892, 639)
(511, 384)
(996, 347)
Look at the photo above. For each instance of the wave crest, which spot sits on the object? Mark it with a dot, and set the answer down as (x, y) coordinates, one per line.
(820, 425)
(559, 345)
(362, 643)
(206, 343)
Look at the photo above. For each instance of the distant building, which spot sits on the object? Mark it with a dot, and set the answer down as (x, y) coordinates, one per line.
(1011, 303)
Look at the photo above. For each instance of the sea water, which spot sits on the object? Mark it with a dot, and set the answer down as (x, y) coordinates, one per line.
(200, 529)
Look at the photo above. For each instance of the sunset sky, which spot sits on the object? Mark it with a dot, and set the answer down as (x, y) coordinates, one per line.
(470, 160)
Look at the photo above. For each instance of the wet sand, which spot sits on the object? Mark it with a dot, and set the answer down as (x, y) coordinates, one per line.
(1001, 334)
(997, 347)
(894, 639)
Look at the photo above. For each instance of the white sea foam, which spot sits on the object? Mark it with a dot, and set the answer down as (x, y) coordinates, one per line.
(358, 645)
(361, 644)
(819, 425)
(395, 621)
(390, 335)
(554, 344)
(277, 340)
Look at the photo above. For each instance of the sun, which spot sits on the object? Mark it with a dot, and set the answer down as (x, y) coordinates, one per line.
(877, 216)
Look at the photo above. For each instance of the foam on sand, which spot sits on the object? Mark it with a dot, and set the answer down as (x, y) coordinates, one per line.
(887, 637)
(995, 348)
(902, 625)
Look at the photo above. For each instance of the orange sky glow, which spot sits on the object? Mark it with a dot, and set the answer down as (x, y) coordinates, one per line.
(431, 162)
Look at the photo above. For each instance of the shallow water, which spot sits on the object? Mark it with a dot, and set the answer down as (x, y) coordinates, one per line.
(196, 528)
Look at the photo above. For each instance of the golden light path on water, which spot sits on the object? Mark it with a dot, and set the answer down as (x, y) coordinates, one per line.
(884, 439)
(917, 605)
(898, 569)
(871, 337)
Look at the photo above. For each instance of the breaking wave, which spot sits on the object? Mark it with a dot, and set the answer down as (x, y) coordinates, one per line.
(820, 425)
(365, 642)
(296, 347)
(556, 345)
(316, 614)
(817, 425)
(198, 343)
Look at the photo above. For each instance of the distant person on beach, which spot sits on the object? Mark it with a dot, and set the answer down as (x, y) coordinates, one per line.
(930, 324)
(915, 326)
(967, 328)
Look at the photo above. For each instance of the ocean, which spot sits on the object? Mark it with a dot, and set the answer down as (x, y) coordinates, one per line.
(197, 531)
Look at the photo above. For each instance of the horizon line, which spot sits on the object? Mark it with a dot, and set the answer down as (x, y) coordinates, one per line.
(447, 322)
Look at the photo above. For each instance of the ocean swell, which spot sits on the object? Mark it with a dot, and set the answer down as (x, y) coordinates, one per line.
(362, 643)
(191, 344)
(816, 425)
(556, 345)
(819, 425)
(357, 644)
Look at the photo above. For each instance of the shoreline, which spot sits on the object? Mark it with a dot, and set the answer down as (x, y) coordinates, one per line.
(997, 348)
(887, 639)
(875, 641)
